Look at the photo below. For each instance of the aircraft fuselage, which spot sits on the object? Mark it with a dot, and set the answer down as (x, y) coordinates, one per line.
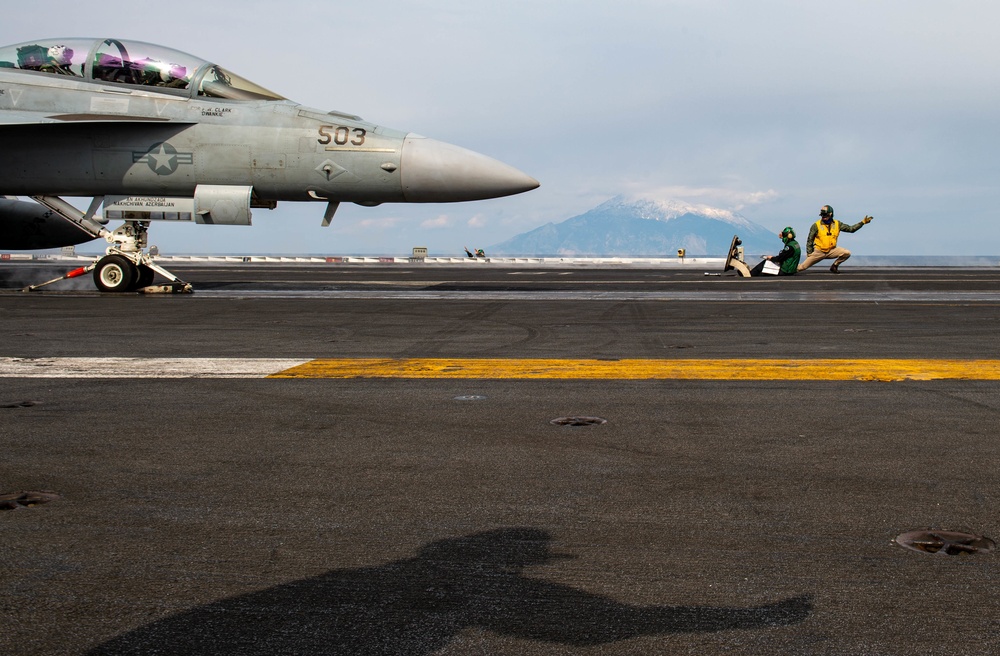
(128, 142)
(142, 128)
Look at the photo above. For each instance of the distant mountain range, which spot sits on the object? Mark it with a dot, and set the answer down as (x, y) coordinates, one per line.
(642, 228)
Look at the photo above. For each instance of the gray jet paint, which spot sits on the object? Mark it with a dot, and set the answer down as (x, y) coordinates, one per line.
(118, 118)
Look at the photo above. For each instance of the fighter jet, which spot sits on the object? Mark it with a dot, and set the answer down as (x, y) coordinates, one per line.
(154, 134)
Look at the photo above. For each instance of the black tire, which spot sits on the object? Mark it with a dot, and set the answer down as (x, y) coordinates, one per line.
(115, 273)
(145, 277)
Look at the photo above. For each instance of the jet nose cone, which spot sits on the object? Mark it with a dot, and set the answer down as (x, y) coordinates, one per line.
(438, 172)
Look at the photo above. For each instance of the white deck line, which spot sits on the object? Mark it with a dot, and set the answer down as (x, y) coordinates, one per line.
(144, 367)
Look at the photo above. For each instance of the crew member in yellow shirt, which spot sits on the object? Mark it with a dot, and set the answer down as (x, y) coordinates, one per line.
(822, 241)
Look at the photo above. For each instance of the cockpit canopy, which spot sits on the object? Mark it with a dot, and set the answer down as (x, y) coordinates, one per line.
(132, 63)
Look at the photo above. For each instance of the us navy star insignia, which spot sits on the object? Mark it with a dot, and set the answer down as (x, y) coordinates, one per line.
(162, 158)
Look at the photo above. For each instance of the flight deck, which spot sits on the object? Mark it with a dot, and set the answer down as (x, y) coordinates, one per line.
(411, 459)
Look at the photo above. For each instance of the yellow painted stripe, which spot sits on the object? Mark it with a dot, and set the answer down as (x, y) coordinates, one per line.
(722, 369)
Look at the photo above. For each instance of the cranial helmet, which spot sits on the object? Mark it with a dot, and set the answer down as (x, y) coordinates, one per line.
(826, 210)
(788, 233)
(60, 54)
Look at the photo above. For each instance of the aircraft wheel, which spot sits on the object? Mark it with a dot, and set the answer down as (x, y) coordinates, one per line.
(145, 277)
(115, 273)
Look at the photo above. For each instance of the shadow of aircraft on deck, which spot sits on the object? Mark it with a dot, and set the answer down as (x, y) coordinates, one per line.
(418, 605)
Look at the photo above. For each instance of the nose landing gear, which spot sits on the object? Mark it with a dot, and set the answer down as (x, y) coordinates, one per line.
(124, 270)
(118, 273)
(121, 271)
(125, 267)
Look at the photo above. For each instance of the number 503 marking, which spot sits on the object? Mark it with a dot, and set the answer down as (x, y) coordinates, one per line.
(341, 135)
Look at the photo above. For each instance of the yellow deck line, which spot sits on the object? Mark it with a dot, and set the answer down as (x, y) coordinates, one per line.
(721, 369)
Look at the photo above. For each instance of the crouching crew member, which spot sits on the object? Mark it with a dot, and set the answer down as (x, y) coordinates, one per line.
(822, 241)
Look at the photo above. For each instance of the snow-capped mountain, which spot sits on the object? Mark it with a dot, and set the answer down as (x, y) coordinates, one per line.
(643, 228)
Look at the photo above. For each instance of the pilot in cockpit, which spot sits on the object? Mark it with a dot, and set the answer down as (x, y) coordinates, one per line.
(60, 58)
(174, 77)
(157, 73)
(52, 59)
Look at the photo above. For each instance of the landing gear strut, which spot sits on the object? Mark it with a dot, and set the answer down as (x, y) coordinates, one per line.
(118, 273)
(125, 266)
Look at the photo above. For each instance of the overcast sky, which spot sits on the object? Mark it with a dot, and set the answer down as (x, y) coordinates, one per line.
(771, 108)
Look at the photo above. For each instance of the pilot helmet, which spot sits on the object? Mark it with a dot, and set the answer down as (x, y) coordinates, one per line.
(60, 54)
(172, 72)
